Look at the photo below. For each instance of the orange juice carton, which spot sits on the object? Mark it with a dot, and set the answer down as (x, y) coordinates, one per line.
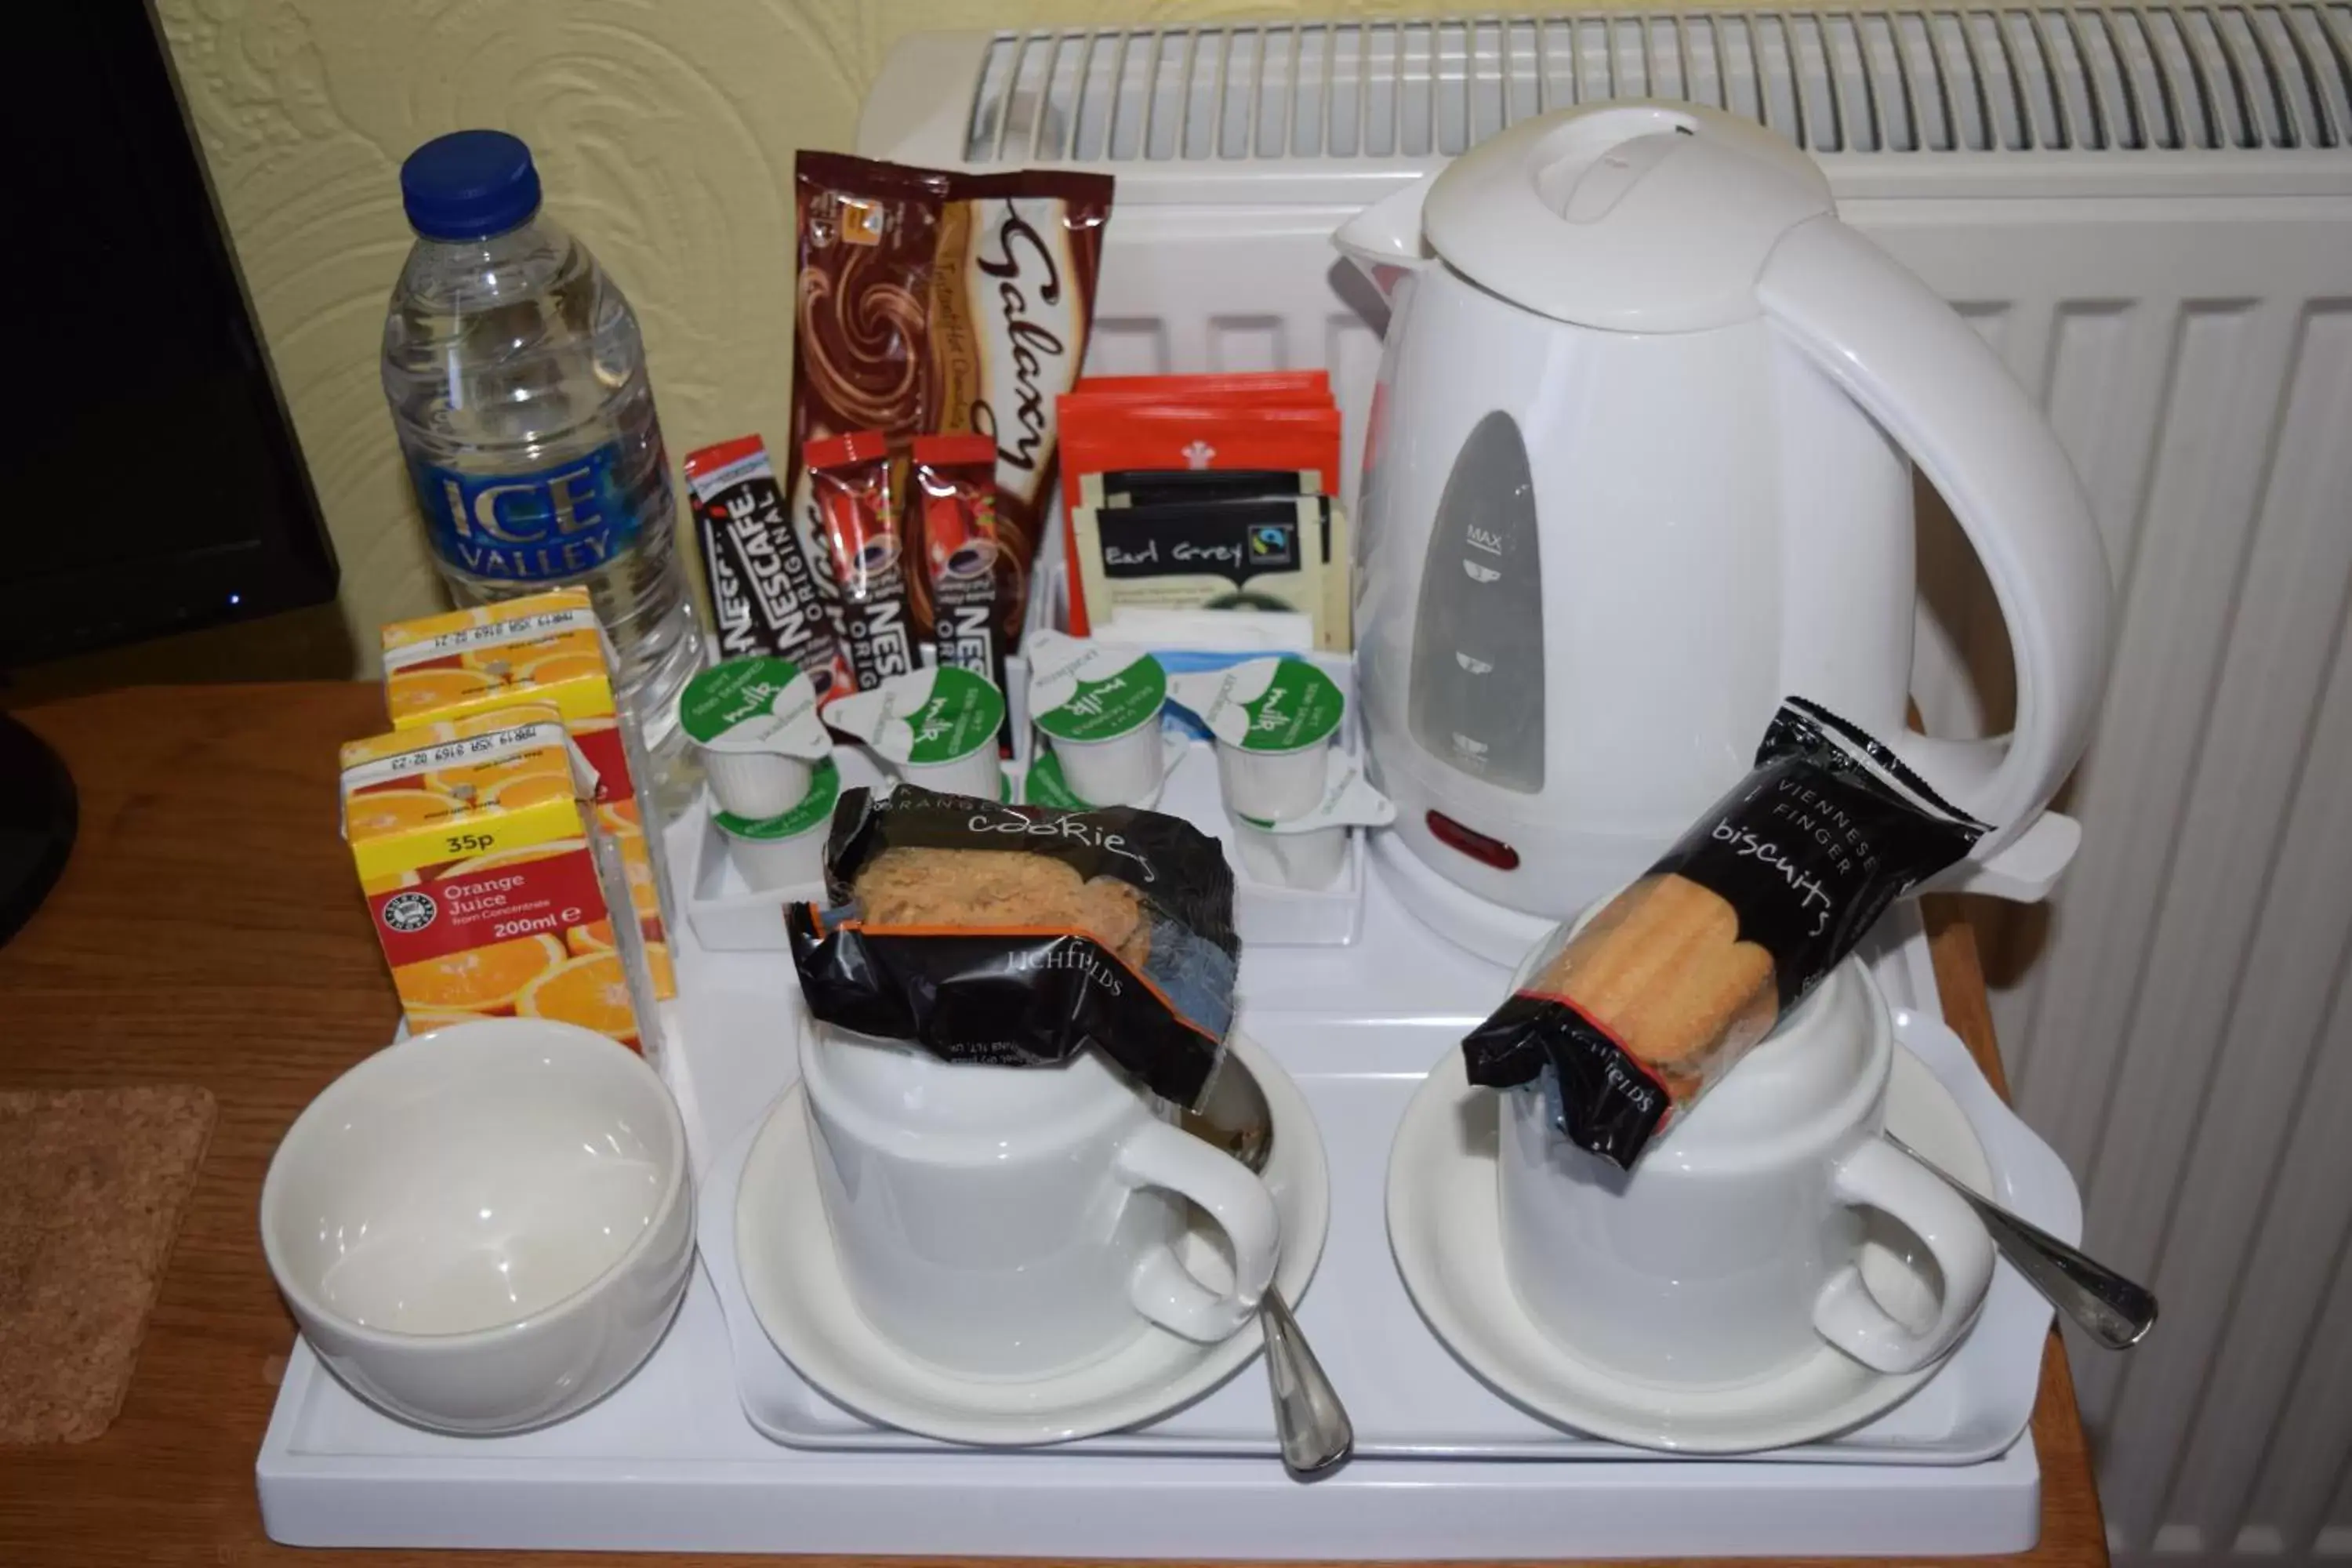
(546, 647)
(490, 880)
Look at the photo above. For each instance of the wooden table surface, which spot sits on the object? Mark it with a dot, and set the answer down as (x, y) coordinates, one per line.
(208, 930)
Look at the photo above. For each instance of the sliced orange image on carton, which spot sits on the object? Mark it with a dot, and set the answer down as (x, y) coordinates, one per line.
(530, 789)
(468, 662)
(591, 991)
(485, 778)
(596, 936)
(487, 979)
(385, 811)
(434, 690)
(562, 667)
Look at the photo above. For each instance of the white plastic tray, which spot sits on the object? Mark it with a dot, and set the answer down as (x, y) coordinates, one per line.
(670, 1462)
(1407, 1395)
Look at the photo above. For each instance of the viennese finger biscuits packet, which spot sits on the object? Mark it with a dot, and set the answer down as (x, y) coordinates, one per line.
(1018, 935)
(1640, 1010)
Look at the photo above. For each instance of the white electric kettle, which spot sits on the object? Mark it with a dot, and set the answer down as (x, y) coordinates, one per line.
(1637, 468)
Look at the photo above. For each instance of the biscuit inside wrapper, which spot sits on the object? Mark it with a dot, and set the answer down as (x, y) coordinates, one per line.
(1013, 935)
(1634, 1016)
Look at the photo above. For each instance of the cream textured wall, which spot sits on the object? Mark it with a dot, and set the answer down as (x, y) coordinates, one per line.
(664, 132)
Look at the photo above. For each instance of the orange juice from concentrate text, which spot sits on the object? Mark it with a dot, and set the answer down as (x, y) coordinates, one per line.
(486, 875)
(546, 647)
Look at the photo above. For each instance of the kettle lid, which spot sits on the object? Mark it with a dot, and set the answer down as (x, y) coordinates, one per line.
(1642, 218)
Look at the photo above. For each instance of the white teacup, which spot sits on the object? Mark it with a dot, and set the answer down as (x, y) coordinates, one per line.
(1017, 1222)
(1732, 1248)
(488, 1227)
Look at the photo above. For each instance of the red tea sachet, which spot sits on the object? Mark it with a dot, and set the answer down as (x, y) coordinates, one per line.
(1101, 437)
(1304, 389)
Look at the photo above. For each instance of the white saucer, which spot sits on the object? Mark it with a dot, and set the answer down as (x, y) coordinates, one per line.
(792, 1278)
(1445, 1233)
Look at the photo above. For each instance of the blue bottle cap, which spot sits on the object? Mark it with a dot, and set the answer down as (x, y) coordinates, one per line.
(469, 184)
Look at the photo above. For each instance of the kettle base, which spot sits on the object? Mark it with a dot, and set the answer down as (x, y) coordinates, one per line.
(1479, 926)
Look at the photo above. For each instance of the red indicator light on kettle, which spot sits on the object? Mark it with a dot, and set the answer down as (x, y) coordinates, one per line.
(1471, 842)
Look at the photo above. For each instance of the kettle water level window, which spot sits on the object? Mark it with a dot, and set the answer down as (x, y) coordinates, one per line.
(1477, 695)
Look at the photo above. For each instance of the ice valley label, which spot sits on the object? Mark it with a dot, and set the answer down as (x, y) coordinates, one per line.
(554, 523)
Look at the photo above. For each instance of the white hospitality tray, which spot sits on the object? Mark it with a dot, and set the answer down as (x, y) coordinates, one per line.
(1408, 1396)
(670, 1462)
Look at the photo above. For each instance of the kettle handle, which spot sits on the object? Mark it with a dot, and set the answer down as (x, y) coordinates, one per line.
(1944, 396)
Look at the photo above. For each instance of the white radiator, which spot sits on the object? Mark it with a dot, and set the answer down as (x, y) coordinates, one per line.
(2148, 211)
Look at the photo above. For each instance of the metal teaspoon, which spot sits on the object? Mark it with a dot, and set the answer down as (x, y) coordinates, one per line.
(2117, 1313)
(1309, 1419)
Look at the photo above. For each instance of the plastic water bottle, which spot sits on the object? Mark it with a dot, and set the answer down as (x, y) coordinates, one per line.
(516, 379)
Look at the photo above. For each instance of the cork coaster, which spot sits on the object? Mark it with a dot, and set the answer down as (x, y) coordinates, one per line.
(92, 1183)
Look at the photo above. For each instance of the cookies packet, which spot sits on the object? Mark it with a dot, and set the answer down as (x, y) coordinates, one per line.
(1638, 1013)
(1019, 935)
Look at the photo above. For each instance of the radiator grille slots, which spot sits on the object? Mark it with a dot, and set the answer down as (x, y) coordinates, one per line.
(2024, 79)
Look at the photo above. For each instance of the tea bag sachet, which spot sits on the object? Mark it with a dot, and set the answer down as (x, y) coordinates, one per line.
(1639, 1012)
